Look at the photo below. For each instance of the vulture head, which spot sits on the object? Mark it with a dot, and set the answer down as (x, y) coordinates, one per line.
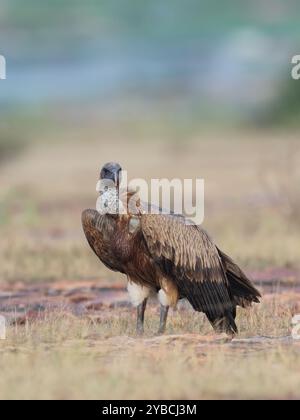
(111, 172)
(108, 188)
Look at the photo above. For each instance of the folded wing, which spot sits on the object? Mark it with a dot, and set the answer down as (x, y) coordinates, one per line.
(186, 253)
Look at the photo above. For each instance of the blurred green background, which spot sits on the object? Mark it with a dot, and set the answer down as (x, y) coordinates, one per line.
(169, 88)
(197, 59)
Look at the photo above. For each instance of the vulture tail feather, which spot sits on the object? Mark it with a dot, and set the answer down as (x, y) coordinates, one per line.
(242, 290)
(225, 324)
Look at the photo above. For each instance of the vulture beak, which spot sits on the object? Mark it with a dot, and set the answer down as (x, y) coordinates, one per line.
(116, 178)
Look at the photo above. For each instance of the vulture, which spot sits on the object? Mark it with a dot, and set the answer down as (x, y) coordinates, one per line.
(164, 254)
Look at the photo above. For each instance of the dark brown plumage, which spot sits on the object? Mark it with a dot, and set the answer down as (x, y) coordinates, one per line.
(163, 253)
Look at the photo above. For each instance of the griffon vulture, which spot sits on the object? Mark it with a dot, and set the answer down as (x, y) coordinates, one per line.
(164, 254)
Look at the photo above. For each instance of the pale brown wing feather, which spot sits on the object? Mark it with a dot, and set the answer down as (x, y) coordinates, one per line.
(187, 254)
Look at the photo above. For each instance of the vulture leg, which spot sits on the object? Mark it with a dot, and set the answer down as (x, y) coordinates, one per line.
(163, 318)
(140, 317)
(138, 295)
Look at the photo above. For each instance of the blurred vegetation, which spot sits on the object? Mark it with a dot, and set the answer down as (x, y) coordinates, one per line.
(285, 108)
(133, 17)
(161, 53)
(11, 143)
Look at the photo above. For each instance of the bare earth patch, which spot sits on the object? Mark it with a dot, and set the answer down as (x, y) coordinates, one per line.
(99, 300)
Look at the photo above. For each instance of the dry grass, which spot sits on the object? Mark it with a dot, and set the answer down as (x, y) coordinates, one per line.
(42, 195)
(71, 372)
(44, 191)
(61, 356)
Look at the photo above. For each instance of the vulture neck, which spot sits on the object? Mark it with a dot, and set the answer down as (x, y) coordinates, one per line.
(131, 202)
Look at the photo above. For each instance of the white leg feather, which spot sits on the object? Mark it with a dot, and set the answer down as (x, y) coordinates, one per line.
(137, 293)
(163, 298)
